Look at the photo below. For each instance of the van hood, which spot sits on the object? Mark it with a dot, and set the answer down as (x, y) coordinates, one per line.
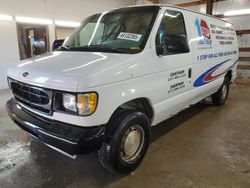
(72, 71)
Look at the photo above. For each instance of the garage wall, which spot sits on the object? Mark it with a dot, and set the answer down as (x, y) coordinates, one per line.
(66, 10)
(9, 52)
(240, 23)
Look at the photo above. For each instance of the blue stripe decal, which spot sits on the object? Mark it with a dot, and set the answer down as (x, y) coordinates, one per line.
(207, 77)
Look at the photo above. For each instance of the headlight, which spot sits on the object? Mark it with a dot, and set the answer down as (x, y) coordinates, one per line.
(81, 104)
(69, 102)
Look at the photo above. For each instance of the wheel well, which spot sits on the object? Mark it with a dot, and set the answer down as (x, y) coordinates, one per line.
(229, 75)
(139, 104)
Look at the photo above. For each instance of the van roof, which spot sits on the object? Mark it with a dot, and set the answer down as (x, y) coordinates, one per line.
(177, 7)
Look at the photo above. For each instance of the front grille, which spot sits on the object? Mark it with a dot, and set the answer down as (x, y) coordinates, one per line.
(32, 96)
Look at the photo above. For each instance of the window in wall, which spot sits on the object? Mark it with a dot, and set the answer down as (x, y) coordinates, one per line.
(33, 40)
(171, 36)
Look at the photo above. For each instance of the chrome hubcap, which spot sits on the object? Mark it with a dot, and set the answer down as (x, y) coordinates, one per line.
(132, 143)
(224, 91)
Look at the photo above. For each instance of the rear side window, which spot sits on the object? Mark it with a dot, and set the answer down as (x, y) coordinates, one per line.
(171, 36)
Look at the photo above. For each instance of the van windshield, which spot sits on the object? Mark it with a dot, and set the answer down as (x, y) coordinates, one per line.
(123, 30)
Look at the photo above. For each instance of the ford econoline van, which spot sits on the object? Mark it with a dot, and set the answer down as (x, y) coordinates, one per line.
(120, 73)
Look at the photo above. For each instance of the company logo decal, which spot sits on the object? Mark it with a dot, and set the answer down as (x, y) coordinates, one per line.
(205, 29)
(203, 32)
(208, 76)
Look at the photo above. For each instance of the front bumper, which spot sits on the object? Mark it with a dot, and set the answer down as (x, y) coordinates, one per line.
(65, 138)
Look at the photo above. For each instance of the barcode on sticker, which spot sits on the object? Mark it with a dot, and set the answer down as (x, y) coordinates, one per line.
(129, 36)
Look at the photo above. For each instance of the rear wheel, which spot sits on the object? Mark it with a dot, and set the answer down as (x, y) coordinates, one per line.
(219, 98)
(129, 142)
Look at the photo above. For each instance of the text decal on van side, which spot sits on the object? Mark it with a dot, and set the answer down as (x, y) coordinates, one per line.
(129, 36)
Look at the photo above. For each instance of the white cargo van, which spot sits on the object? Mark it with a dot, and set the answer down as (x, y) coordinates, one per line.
(121, 72)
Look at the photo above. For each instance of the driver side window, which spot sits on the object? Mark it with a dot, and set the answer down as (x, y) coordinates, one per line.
(171, 36)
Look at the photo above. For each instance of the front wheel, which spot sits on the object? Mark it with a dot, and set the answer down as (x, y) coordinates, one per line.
(128, 145)
(219, 98)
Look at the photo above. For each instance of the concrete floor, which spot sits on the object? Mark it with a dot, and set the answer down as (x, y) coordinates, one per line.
(203, 146)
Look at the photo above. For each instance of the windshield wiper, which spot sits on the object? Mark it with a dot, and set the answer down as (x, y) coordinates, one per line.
(64, 48)
(111, 48)
(102, 47)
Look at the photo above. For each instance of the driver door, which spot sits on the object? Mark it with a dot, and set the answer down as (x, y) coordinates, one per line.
(174, 57)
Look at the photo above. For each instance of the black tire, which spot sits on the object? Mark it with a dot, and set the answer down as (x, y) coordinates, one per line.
(219, 98)
(111, 154)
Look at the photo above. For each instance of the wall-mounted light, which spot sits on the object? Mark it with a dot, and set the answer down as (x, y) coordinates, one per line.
(6, 17)
(237, 12)
(67, 24)
(33, 20)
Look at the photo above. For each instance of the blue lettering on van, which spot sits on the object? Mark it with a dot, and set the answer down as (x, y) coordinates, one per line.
(215, 55)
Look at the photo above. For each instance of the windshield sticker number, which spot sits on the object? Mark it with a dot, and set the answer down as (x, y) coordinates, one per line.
(129, 36)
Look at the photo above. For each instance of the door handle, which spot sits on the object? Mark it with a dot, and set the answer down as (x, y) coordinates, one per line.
(189, 72)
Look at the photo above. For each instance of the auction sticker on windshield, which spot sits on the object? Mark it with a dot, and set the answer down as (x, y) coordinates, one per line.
(129, 36)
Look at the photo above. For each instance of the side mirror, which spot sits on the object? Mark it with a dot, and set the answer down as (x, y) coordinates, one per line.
(57, 43)
(159, 50)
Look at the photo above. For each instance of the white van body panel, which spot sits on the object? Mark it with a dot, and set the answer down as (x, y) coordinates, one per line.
(118, 78)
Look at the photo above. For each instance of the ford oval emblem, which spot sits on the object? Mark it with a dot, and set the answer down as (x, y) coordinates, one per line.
(25, 74)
